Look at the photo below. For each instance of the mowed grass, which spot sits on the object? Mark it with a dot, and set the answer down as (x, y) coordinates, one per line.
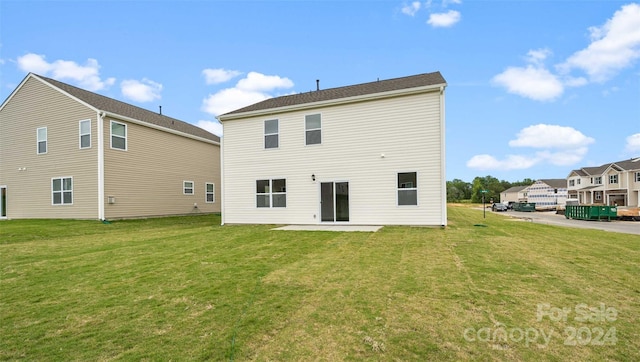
(187, 289)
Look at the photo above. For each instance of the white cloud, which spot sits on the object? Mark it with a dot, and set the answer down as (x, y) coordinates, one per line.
(550, 136)
(446, 3)
(512, 162)
(614, 46)
(444, 20)
(532, 82)
(263, 83)
(212, 126)
(86, 76)
(560, 146)
(255, 87)
(633, 143)
(411, 9)
(538, 56)
(141, 91)
(215, 76)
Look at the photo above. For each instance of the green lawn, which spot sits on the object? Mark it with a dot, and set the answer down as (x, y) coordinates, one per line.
(187, 289)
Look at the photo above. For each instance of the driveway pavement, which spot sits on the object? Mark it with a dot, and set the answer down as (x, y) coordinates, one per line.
(551, 218)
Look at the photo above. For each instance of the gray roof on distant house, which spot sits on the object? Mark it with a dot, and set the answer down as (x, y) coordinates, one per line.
(515, 189)
(380, 86)
(555, 182)
(629, 164)
(116, 107)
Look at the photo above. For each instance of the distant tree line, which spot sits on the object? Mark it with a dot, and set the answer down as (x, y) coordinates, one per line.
(458, 190)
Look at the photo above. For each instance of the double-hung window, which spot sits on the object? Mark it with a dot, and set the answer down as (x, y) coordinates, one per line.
(637, 176)
(210, 193)
(85, 134)
(42, 140)
(271, 134)
(407, 188)
(118, 135)
(313, 129)
(187, 187)
(271, 193)
(613, 179)
(62, 191)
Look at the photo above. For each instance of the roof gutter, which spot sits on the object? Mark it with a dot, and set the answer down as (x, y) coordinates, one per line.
(338, 101)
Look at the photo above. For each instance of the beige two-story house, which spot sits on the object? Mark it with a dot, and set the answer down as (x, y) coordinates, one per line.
(616, 183)
(69, 153)
(365, 154)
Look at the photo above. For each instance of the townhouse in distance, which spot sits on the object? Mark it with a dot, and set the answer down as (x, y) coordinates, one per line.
(364, 154)
(69, 153)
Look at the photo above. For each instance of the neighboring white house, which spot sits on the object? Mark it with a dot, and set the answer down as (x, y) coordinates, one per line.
(548, 194)
(609, 184)
(514, 194)
(363, 154)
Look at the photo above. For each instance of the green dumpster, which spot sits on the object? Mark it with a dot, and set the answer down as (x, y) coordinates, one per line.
(524, 206)
(591, 212)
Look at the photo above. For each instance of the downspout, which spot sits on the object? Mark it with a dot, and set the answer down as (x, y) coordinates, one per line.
(100, 126)
(443, 185)
(222, 213)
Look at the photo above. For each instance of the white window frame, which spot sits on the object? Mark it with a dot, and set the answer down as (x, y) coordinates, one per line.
(613, 179)
(207, 193)
(61, 191)
(408, 188)
(264, 131)
(185, 188)
(45, 140)
(598, 196)
(572, 183)
(306, 130)
(637, 176)
(126, 133)
(271, 193)
(80, 134)
(597, 180)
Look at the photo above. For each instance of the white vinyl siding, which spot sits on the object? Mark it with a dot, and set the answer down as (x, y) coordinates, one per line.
(85, 133)
(41, 146)
(62, 191)
(118, 135)
(354, 149)
(210, 192)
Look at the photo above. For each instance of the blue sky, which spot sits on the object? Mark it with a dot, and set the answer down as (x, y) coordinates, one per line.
(535, 88)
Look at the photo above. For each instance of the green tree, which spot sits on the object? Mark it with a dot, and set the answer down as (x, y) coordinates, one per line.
(458, 190)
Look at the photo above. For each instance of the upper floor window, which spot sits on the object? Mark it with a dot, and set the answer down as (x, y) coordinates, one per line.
(271, 193)
(118, 135)
(62, 191)
(578, 181)
(597, 180)
(42, 140)
(572, 182)
(637, 176)
(271, 133)
(85, 134)
(613, 179)
(187, 187)
(407, 188)
(313, 129)
(210, 193)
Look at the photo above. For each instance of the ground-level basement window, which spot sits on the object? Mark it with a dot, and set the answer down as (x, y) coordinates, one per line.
(62, 191)
(407, 188)
(271, 193)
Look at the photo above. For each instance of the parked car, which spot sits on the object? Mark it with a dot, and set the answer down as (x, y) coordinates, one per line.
(498, 207)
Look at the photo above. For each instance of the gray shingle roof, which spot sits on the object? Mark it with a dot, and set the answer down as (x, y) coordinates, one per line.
(629, 164)
(380, 86)
(124, 109)
(558, 183)
(515, 189)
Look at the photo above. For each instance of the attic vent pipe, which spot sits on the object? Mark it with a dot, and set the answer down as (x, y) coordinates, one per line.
(160, 110)
(317, 84)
